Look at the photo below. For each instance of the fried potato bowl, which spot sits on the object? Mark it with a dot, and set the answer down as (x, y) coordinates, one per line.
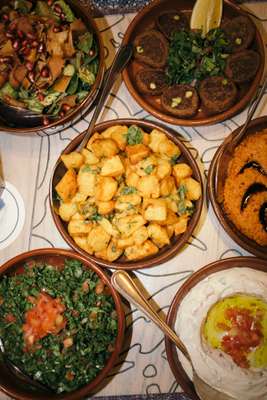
(131, 199)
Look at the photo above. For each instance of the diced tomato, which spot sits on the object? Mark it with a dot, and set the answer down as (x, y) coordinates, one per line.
(44, 318)
(244, 335)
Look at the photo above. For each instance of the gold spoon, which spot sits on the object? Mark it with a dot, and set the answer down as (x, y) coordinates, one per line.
(125, 285)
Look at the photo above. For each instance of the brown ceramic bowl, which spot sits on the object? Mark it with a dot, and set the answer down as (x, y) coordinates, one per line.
(215, 186)
(164, 253)
(173, 313)
(10, 384)
(145, 19)
(83, 11)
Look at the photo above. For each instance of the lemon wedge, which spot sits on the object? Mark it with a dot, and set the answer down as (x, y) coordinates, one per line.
(206, 15)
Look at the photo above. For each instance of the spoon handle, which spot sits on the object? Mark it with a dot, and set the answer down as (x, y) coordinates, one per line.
(120, 61)
(128, 289)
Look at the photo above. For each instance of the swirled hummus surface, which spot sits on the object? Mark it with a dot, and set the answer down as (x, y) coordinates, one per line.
(222, 322)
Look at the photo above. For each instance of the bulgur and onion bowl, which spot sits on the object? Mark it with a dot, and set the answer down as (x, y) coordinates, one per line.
(131, 199)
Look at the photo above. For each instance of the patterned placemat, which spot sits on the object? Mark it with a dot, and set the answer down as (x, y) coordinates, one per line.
(167, 396)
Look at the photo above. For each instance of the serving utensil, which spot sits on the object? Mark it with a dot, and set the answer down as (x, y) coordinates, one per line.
(19, 373)
(227, 149)
(125, 285)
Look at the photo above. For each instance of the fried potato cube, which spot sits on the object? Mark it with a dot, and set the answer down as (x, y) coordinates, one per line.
(112, 167)
(105, 148)
(79, 227)
(92, 139)
(137, 152)
(106, 188)
(67, 210)
(81, 241)
(164, 169)
(129, 224)
(156, 137)
(147, 166)
(169, 149)
(78, 198)
(148, 186)
(89, 157)
(98, 238)
(193, 188)
(181, 225)
(105, 207)
(170, 230)
(72, 160)
(132, 179)
(86, 181)
(167, 185)
(138, 237)
(181, 171)
(108, 227)
(172, 202)
(156, 211)
(136, 252)
(127, 202)
(146, 138)
(67, 186)
(118, 133)
(158, 234)
(113, 251)
(171, 219)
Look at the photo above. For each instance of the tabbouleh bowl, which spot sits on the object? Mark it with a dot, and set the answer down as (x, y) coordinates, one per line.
(58, 325)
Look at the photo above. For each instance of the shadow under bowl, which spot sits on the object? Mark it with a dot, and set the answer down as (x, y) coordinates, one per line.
(215, 185)
(177, 242)
(14, 387)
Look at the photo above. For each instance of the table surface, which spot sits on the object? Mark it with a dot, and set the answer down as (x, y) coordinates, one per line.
(27, 164)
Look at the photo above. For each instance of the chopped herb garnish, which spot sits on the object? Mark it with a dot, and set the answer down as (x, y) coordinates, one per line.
(134, 135)
(128, 190)
(149, 169)
(174, 159)
(96, 217)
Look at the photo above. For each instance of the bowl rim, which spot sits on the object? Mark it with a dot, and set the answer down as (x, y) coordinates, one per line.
(207, 120)
(89, 99)
(242, 240)
(215, 266)
(170, 250)
(89, 387)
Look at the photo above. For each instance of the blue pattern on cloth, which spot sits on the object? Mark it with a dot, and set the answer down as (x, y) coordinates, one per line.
(167, 396)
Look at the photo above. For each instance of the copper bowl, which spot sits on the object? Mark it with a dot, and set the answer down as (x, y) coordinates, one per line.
(14, 387)
(145, 19)
(83, 11)
(215, 185)
(177, 242)
(173, 313)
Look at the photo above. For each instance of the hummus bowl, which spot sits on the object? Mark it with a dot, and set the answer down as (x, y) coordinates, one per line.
(202, 314)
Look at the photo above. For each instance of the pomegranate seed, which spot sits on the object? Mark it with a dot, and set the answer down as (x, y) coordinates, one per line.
(5, 17)
(35, 44)
(65, 107)
(30, 35)
(25, 42)
(46, 121)
(45, 72)
(20, 34)
(16, 45)
(91, 53)
(9, 35)
(41, 96)
(62, 114)
(31, 76)
(62, 16)
(26, 51)
(57, 9)
(40, 48)
(29, 65)
(5, 60)
(56, 29)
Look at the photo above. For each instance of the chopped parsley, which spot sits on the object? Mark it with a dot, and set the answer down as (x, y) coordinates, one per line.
(174, 159)
(90, 328)
(128, 190)
(134, 135)
(96, 217)
(149, 169)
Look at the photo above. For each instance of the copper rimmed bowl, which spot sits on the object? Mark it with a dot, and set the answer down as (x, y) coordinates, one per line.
(177, 242)
(173, 314)
(215, 188)
(82, 10)
(14, 387)
(145, 19)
